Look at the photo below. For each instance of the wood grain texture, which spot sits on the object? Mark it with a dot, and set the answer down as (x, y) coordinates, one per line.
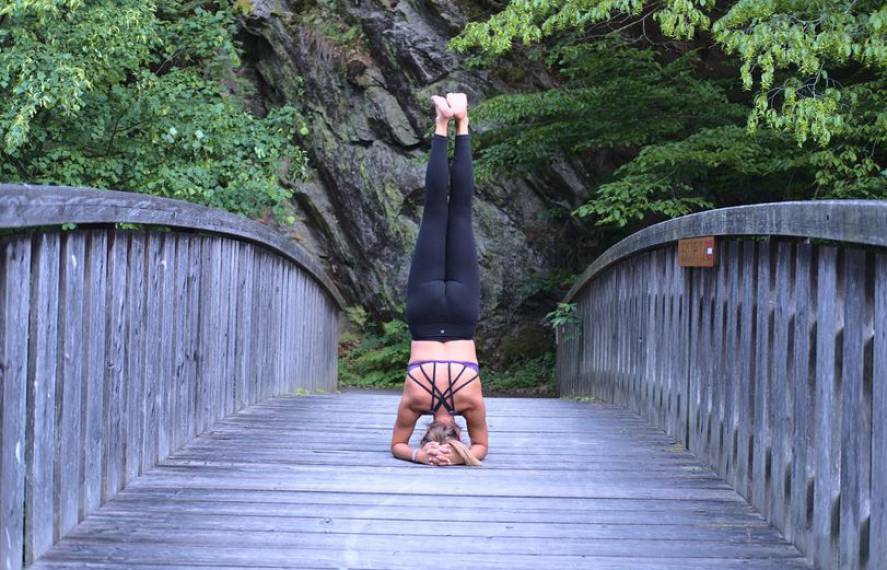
(118, 347)
(25, 205)
(236, 496)
(861, 222)
(15, 294)
(783, 381)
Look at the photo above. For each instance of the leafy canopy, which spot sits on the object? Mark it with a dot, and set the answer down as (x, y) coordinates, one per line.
(676, 132)
(139, 95)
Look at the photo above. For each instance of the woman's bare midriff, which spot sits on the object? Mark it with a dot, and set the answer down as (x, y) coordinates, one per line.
(458, 349)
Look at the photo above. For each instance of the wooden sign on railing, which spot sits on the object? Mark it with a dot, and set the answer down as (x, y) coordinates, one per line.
(697, 252)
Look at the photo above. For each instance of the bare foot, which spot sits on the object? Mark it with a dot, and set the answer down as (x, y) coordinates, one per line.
(444, 113)
(458, 103)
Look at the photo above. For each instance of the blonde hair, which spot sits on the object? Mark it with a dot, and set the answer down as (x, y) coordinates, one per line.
(444, 432)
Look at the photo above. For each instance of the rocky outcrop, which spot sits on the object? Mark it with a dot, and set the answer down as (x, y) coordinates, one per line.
(361, 72)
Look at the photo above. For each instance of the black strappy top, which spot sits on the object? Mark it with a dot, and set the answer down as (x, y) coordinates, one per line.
(450, 391)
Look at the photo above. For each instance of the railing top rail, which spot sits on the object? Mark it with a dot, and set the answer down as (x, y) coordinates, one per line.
(861, 222)
(25, 205)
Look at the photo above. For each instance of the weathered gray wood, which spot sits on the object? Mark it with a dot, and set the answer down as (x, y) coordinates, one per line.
(803, 388)
(115, 371)
(827, 418)
(94, 334)
(855, 424)
(780, 388)
(168, 317)
(24, 205)
(218, 507)
(878, 528)
(15, 292)
(781, 381)
(182, 372)
(854, 221)
(745, 432)
(762, 382)
(42, 363)
(132, 347)
(69, 388)
(153, 358)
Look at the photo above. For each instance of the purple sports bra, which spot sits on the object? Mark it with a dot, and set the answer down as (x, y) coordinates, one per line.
(450, 391)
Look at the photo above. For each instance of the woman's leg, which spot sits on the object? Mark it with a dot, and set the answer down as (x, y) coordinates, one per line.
(461, 250)
(429, 256)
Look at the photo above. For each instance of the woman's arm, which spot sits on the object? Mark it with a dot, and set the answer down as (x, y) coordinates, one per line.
(403, 429)
(476, 420)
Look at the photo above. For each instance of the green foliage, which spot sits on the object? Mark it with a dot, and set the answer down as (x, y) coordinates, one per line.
(536, 374)
(788, 44)
(680, 137)
(564, 314)
(379, 358)
(554, 281)
(139, 96)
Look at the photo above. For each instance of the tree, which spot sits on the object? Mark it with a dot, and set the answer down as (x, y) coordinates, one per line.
(813, 124)
(138, 96)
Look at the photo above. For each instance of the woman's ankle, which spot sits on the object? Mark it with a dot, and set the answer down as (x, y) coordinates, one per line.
(462, 126)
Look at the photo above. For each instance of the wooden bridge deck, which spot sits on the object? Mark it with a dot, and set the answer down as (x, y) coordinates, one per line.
(308, 482)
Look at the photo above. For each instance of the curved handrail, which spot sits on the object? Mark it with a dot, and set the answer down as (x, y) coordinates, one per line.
(856, 221)
(26, 205)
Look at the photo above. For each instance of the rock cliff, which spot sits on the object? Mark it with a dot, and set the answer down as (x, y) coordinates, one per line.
(361, 72)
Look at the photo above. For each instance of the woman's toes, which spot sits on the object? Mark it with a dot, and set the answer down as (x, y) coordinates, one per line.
(458, 102)
(443, 108)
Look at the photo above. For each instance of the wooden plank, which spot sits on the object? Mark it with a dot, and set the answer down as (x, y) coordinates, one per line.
(878, 548)
(26, 205)
(94, 334)
(781, 361)
(69, 395)
(760, 484)
(731, 262)
(803, 387)
(169, 315)
(15, 295)
(744, 430)
(238, 487)
(231, 323)
(855, 423)
(854, 221)
(42, 373)
(115, 372)
(135, 354)
(192, 338)
(243, 354)
(827, 418)
(217, 343)
(206, 305)
(181, 331)
(150, 424)
(720, 365)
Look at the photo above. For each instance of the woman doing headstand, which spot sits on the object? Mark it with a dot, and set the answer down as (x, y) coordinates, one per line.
(443, 307)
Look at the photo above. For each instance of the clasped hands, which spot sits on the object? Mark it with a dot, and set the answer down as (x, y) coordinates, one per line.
(440, 454)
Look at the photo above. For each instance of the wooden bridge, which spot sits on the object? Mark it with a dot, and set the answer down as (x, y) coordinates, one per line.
(168, 401)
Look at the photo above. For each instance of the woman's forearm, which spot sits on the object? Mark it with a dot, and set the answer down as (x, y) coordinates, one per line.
(478, 451)
(404, 451)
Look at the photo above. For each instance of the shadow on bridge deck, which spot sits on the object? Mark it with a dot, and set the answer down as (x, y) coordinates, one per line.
(309, 482)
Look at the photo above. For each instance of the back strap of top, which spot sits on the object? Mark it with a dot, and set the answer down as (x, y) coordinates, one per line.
(450, 391)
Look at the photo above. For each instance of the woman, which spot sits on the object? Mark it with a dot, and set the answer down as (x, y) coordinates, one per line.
(443, 307)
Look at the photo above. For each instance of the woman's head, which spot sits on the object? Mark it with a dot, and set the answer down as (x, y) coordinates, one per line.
(447, 432)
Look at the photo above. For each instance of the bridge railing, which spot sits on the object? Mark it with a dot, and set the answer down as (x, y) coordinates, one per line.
(118, 346)
(772, 366)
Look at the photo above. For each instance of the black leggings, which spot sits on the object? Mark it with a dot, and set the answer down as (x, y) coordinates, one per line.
(443, 289)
